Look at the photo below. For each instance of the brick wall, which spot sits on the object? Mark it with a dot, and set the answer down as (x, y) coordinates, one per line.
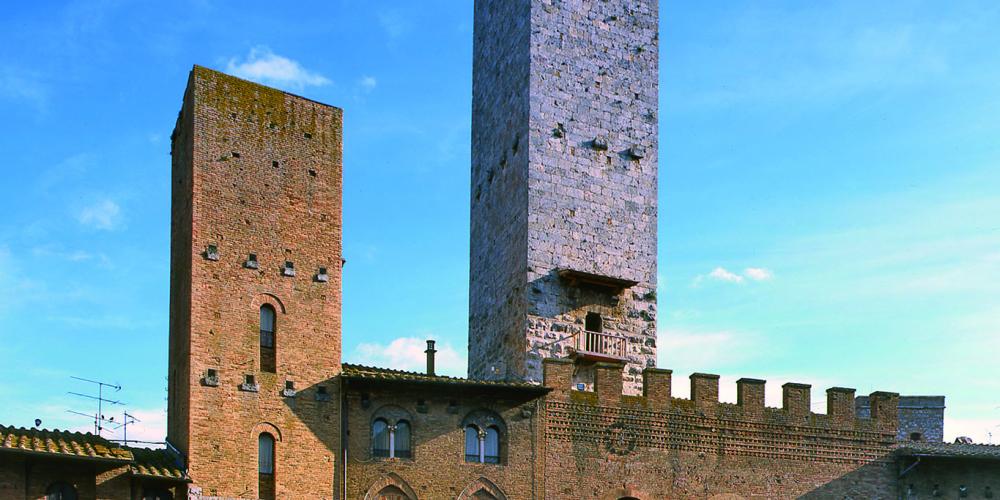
(949, 477)
(921, 415)
(604, 443)
(438, 468)
(256, 171)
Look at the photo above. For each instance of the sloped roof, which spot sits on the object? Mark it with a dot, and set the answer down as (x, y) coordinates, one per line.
(156, 463)
(950, 450)
(60, 443)
(54, 443)
(361, 372)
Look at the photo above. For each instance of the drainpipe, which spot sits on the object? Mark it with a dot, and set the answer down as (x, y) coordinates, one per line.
(343, 437)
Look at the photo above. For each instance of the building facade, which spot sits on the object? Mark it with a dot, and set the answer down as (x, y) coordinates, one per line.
(563, 399)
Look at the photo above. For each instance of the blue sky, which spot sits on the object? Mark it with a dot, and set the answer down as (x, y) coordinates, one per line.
(829, 209)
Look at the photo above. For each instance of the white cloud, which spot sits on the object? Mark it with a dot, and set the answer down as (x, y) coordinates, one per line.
(368, 83)
(104, 215)
(758, 273)
(722, 274)
(407, 353)
(981, 430)
(263, 66)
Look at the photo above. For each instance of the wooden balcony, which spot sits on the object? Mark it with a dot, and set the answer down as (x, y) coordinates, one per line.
(596, 346)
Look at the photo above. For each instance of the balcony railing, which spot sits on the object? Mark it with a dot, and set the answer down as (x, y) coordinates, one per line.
(601, 346)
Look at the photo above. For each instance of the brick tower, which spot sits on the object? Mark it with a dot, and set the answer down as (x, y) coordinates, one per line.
(255, 290)
(564, 172)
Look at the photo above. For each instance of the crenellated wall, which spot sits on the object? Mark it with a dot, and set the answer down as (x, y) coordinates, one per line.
(657, 446)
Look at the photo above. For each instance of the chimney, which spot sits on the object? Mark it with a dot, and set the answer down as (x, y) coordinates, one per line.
(430, 357)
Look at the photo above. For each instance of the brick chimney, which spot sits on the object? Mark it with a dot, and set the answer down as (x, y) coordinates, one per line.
(430, 357)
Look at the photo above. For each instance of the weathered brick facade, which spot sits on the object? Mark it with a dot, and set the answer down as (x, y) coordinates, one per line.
(255, 171)
(563, 240)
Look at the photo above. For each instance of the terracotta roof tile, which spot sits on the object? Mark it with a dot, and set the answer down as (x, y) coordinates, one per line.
(950, 450)
(61, 443)
(353, 371)
(156, 463)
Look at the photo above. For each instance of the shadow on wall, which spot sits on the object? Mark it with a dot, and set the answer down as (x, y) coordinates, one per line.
(318, 406)
(874, 480)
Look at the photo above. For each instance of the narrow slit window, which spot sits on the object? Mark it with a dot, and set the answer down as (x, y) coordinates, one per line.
(265, 466)
(268, 320)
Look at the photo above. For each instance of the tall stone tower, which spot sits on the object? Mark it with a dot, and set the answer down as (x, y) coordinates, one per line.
(255, 290)
(564, 172)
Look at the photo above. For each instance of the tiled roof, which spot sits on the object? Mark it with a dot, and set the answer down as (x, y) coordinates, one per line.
(60, 443)
(950, 450)
(64, 444)
(156, 463)
(361, 372)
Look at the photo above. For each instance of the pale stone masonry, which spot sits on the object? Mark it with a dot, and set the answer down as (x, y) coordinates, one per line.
(564, 174)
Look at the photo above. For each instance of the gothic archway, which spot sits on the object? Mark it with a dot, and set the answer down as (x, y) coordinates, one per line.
(482, 489)
(390, 487)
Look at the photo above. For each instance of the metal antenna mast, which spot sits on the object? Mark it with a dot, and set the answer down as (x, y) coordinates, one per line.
(99, 416)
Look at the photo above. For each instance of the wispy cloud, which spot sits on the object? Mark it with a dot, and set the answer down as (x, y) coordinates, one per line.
(394, 23)
(24, 86)
(264, 66)
(702, 350)
(407, 353)
(726, 276)
(367, 83)
(103, 215)
(722, 274)
(758, 273)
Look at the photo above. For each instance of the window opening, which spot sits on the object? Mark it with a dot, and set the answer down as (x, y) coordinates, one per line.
(268, 320)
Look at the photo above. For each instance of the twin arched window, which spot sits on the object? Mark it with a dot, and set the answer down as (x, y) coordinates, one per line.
(391, 440)
(482, 445)
(268, 323)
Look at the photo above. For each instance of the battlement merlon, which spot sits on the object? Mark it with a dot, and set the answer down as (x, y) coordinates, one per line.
(796, 398)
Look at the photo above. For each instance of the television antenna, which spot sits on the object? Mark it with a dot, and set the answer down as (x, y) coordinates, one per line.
(98, 417)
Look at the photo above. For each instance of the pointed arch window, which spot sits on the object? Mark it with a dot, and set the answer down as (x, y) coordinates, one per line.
(268, 326)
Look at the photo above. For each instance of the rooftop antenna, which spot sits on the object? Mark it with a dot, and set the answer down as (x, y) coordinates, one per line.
(101, 400)
(128, 419)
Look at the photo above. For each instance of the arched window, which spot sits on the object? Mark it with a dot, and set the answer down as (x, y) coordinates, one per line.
(484, 437)
(401, 440)
(380, 438)
(60, 491)
(268, 320)
(472, 444)
(491, 446)
(265, 466)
